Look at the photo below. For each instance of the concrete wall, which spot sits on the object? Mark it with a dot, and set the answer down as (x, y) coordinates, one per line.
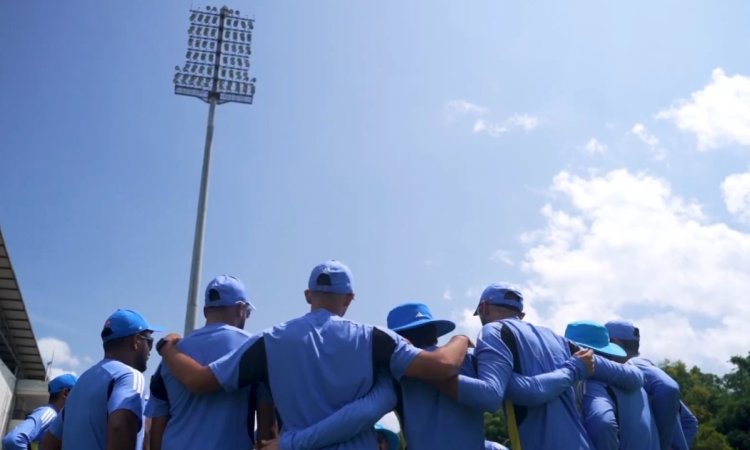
(7, 387)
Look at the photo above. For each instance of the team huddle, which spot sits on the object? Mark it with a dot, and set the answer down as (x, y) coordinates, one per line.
(320, 381)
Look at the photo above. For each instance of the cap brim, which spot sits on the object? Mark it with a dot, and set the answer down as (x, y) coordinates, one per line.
(611, 349)
(442, 326)
(154, 329)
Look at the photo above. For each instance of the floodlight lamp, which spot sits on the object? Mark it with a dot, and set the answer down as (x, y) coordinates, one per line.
(215, 20)
(191, 30)
(177, 68)
(213, 33)
(208, 8)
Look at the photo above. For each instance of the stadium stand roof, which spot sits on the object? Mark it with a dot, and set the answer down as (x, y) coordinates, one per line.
(18, 347)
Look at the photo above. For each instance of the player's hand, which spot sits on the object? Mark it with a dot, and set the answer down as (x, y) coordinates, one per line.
(587, 358)
(167, 341)
(272, 444)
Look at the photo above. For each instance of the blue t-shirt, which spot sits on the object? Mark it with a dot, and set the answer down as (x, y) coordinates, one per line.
(30, 430)
(316, 364)
(217, 420)
(432, 421)
(538, 350)
(616, 419)
(106, 387)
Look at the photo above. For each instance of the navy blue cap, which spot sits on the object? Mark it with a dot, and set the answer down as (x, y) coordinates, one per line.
(501, 294)
(413, 315)
(622, 329)
(331, 276)
(65, 381)
(125, 322)
(592, 335)
(226, 290)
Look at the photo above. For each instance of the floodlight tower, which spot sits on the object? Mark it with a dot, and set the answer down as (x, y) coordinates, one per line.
(216, 71)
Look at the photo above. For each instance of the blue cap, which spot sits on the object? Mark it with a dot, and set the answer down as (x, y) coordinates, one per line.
(125, 322)
(333, 277)
(394, 442)
(413, 315)
(501, 294)
(622, 329)
(226, 290)
(592, 335)
(65, 381)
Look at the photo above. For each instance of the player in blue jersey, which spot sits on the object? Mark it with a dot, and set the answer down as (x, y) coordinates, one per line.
(676, 424)
(615, 419)
(179, 418)
(33, 428)
(545, 412)
(320, 362)
(104, 410)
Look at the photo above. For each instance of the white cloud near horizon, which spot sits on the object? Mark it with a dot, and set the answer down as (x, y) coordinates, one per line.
(58, 352)
(624, 245)
(736, 192)
(718, 114)
(594, 147)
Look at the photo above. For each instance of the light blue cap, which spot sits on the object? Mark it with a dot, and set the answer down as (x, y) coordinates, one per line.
(331, 276)
(125, 322)
(226, 290)
(413, 315)
(593, 335)
(64, 381)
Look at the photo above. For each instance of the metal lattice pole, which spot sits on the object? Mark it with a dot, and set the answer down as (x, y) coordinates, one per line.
(216, 71)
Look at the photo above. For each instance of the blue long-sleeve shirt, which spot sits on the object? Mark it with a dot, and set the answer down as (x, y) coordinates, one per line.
(616, 419)
(664, 398)
(539, 351)
(30, 430)
(689, 424)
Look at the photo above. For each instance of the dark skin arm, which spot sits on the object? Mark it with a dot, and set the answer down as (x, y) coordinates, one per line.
(122, 430)
(156, 433)
(196, 378)
(267, 427)
(441, 364)
(50, 442)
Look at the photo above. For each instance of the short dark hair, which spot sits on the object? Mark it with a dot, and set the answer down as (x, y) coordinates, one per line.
(53, 397)
(114, 343)
(631, 346)
(422, 336)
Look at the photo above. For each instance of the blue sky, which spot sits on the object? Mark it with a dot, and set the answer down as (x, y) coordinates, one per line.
(594, 154)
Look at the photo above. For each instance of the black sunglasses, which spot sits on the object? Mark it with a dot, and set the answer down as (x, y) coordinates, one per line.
(148, 339)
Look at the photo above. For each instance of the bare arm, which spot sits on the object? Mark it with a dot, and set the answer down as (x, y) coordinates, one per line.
(122, 430)
(196, 378)
(50, 442)
(441, 364)
(156, 432)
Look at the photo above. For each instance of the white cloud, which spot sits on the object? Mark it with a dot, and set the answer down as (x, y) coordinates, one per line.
(524, 121)
(455, 108)
(594, 147)
(447, 295)
(502, 256)
(496, 129)
(629, 247)
(736, 192)
(467, 323)
(472, 292)
(649, 139)
(59, 354)
(719, 114)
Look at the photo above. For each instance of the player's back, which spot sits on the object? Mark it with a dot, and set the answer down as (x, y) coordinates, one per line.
(556, 424)
(228, 413)
(318, 363)
(433, 421)
(97, 392)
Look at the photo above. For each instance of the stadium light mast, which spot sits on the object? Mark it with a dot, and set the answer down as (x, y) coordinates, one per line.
(216, 71)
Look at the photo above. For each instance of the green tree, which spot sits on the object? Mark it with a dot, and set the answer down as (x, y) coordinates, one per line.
(495, 428)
